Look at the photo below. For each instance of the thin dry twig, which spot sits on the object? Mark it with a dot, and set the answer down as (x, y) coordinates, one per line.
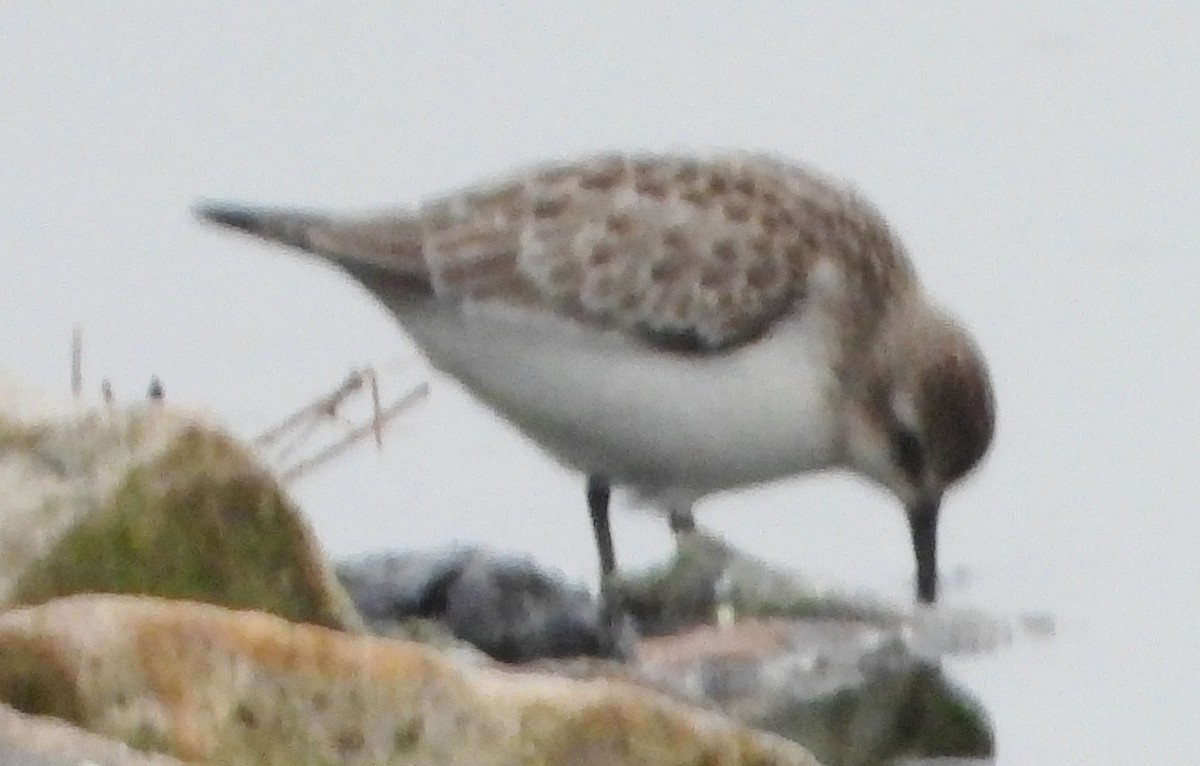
(376, 425)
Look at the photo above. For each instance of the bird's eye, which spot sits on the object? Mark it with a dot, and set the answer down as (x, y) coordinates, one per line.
(906, 451)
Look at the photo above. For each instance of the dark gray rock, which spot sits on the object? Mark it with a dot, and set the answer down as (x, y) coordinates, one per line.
(505, 606)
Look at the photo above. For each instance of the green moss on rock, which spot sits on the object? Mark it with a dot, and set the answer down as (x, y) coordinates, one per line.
(911, 712)
(199, 522)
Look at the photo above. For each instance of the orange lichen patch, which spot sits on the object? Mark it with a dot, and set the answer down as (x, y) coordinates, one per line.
(267, 679)
(609, 722)
(593, 733)
(747, 639)
(208, 684)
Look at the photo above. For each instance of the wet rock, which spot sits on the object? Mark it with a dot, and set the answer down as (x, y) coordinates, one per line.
(846, 675)
(850, 691)
(852, 678)
(707, 578)
(206, 684)
(505, 606)
(151, 501)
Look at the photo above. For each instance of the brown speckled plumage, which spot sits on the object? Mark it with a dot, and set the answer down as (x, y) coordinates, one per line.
(676, 250)
(668, 248)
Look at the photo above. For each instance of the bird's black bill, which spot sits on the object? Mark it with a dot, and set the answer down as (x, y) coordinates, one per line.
(922, 521)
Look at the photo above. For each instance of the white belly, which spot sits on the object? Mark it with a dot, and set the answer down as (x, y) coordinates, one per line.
(647, 419)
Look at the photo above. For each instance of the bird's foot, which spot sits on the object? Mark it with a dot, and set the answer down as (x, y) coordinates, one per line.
(615, 628)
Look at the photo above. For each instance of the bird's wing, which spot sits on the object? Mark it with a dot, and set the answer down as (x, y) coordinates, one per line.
(682, 253)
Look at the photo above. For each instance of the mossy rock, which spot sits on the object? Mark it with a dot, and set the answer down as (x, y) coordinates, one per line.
(200, 521)
(910, 712)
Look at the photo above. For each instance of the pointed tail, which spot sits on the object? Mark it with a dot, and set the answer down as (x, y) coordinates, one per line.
(389, 242)
(283, 226)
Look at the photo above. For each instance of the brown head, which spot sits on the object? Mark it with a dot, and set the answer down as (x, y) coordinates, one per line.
(921, 419)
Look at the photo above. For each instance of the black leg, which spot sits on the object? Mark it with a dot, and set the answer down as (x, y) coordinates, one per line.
(598, 493)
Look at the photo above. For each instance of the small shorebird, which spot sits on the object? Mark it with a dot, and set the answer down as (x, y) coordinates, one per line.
(678, 325)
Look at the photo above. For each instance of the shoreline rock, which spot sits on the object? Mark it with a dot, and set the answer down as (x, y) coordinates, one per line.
(204, 683)
(150, 501)
(846, 676)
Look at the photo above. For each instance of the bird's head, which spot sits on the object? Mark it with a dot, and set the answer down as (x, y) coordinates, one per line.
(921, 420)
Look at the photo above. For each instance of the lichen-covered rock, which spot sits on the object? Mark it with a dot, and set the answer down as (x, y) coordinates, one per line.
(206, 684)
(149, 501)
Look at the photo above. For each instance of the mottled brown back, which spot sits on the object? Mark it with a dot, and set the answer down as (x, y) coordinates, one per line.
(698, 253)
(689, 253)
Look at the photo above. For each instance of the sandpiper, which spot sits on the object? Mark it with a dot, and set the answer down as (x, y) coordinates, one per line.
(678, 325)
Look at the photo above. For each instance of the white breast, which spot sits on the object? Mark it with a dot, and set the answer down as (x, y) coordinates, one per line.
(653, 420)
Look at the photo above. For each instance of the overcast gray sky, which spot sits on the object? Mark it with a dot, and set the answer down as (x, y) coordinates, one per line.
(1039, 159)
